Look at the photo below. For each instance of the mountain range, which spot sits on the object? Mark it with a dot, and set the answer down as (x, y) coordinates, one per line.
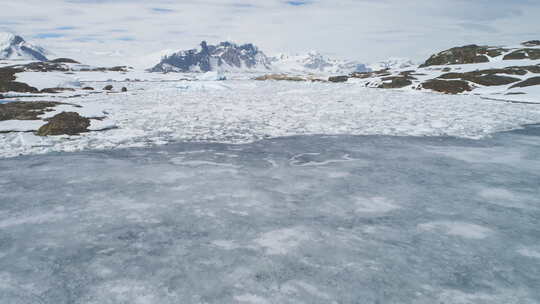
(231, 57)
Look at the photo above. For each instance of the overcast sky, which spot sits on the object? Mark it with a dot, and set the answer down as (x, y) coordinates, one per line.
(365, 30)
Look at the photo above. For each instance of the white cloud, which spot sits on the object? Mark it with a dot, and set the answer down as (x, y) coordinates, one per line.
(366, 30)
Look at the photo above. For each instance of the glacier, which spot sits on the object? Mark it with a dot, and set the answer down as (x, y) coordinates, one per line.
(299, 219)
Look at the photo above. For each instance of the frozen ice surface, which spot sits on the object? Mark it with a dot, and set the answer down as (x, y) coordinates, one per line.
(302, 219)
(242, 111)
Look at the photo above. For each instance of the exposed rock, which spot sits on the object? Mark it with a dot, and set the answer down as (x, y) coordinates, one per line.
(531, 43)
(395, 82)
(488, 78)
(464, 55)
(45, 66)
(8, 83)
(338, 78)
(64, 60)
(447, 86)
(65, 123)
(108, 87)
(363, 75)
(532, 54)
(280, 77)
(527, 83)
(56, 90)
(19, 110)
(124, 89)
(88, 88)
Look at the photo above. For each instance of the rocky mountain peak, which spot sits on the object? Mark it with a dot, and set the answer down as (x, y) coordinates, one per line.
(225, 56)
(14, 47)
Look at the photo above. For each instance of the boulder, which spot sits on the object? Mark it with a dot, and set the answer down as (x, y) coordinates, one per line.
(527, 83)
(65, 123)
(124, 89)
(447, 86)
(108, 87)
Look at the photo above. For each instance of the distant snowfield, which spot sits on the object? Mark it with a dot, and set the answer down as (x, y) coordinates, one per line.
(240, 111)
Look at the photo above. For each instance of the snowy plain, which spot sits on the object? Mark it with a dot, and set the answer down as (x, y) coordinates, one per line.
(241, 111)
(303, 219)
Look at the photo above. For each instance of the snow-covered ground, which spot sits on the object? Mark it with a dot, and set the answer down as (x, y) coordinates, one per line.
(305, 219)
(239, 111)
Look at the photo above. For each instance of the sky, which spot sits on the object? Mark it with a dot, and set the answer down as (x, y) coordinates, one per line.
(364, 30)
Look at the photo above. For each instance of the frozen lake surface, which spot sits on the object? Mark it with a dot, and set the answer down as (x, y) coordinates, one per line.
(306, 219)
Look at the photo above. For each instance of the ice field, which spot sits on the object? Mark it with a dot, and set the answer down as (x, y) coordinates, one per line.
(242, 111)
(301, 219)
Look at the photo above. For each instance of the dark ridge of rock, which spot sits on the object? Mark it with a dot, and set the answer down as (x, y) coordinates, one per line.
(532, 54)
(65, 123)
(108, 87)
(64, 60)
(464, 55)
(338, 78)
(44, 66)
(20, 110)
(56, 90)
(395, 82)
(531, 43)
(363, 75)
(486, 79)
(88, 88)
(447, 86)
(281, 77)
(527, 83)
(493, 80)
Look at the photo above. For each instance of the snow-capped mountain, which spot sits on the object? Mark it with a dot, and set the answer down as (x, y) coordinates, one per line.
(392, 64)
(224, 57)
(314, 62)
(14, 47)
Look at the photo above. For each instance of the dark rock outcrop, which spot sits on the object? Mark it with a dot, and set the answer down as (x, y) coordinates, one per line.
(65, 123)
(108, 87)
(209, 57)
(8, 83)
(338, 78)
(395, 82)
(531, 43)
(532, 54)
(64, 60)
(527, 83)
(280, 77)
(124, 89)
(20, 110)
(485, 78)
(447, 86)
(464, 55)
(364, 75)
